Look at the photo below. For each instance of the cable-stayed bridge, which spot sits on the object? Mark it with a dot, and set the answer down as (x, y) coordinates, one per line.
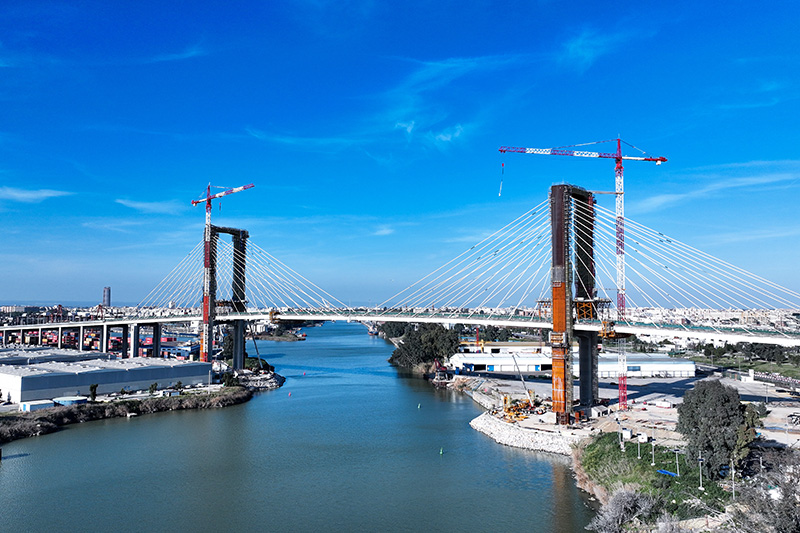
(504, 280)
(552, 268)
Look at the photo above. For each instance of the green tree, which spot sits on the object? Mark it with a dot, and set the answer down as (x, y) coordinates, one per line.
(229, 380)
(93, 392)
(394, 330)
(504, 335)
(227, 347)
(153, 388)
(710, 419)
(746, 433)
(424, 344)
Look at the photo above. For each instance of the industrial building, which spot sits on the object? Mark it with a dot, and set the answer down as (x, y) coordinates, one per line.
(51, 379)
(516, 357)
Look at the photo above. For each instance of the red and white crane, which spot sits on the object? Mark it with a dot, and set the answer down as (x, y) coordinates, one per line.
(206, 342)
(619, 191)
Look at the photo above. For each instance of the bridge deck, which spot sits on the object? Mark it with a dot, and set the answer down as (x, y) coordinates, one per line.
(694, 332)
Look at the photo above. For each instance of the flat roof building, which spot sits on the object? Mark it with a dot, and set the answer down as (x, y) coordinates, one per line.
(511, 358)
(52, 379)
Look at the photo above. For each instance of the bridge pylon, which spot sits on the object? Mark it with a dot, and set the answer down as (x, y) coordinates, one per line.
(572, 219)
(238, 284)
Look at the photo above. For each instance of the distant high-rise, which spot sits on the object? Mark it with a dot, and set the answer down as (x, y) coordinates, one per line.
(106, 296)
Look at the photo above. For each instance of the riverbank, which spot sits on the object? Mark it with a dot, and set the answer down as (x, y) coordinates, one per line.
(289, 337)
(602, 470)
(22, 425)
(260, 381)
(529, 438)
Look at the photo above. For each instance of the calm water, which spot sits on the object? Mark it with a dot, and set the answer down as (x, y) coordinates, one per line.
(354, 447)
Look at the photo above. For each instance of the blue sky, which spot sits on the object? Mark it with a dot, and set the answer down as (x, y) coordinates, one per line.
(371, 129)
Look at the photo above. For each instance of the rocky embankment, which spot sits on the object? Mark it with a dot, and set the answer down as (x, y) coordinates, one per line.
(261, 382)
(23, 425)
(555, 441)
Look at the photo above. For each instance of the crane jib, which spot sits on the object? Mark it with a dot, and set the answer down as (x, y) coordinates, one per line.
(576, 153)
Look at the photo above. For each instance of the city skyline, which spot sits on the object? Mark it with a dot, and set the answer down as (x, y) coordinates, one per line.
(371, 132)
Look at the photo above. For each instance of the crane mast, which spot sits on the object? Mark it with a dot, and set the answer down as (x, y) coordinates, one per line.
(619, 191)
(206, 336)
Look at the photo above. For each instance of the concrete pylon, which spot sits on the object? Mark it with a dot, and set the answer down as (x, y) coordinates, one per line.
(570, 222)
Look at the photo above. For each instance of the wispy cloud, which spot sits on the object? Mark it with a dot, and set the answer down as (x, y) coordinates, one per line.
(449, 134)
(587, 47)
(421, 105)
(382, 231)
(416, 107)
(170, 207)
(751, 105)
(316, 142)
(189, 53)
(756, 235)
(30, 196)
(662, 201)
(408, 126)
(119, 226)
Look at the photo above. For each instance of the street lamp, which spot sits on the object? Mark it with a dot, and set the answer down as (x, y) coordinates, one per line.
(653, 460)
(677, 465)
(700, 464)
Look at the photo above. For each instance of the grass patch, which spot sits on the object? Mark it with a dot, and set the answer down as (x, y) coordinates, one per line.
(734, 363)
(610, 467)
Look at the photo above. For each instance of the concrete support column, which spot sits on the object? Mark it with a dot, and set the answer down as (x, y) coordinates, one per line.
(587, 354)
(135, 341)
(40, 336)
(125, 344)
(238, 344)
(104, 338)
(80, 338)
(157, 339)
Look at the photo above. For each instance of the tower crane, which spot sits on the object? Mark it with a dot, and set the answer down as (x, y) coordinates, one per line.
(619, 191)
(206, 342)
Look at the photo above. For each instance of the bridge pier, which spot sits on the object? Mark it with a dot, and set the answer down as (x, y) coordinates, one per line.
(157, 339)
(587, 356)
(104, 338)
(80, 338)
(125, 344)
(238, 344)
(135, 340)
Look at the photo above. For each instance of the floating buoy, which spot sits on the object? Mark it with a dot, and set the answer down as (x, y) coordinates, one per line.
(419, 405)
(290, 395)
(441, 451)
(304, 373)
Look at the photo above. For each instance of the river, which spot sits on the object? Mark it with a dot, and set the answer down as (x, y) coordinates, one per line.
(348, 444)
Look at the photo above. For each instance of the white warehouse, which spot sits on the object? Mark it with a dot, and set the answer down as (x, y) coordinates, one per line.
(516, 357)
(40, 381)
